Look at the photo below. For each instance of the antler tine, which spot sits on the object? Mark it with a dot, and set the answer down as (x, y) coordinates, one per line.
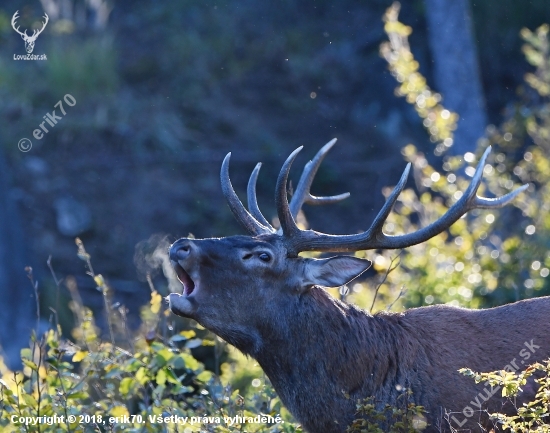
(498, 202)
(476, 179)
(288, 225)
(484, 202)
(476, 202)
(253, 201)
(373, 238)
(302, 194)
(249, 223)
(467, 202)
(380, 219)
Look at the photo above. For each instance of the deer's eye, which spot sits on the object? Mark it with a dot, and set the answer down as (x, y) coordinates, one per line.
(264, 257)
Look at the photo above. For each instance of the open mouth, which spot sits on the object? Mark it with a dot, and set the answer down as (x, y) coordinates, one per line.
(185, 279)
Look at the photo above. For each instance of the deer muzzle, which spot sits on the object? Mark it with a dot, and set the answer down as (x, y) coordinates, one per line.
(181, 257)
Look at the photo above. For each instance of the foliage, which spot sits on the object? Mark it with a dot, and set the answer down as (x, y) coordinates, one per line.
(483, 251)
(531, 416)
(439, 121)
(137, 378)
(403, 417)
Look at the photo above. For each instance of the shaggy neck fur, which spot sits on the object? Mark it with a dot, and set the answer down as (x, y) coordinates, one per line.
(350, 355)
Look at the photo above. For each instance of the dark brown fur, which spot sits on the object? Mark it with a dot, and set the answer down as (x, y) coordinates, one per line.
(323, 355)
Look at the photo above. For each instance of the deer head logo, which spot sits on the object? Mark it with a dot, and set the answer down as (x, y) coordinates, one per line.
(29, 40)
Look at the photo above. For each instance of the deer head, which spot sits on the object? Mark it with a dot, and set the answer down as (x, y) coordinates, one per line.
(29, 40)
(239, 285)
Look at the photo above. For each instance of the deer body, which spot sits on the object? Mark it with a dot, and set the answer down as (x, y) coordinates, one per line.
(357, 355)
(323, 355)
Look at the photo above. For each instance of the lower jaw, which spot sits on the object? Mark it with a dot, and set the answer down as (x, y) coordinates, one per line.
(180, 305)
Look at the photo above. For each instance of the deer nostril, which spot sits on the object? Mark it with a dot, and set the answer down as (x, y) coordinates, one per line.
(182, 252)
(179, 252)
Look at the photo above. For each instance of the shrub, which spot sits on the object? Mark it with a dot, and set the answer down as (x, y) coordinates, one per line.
(532, 416)
(138, 377)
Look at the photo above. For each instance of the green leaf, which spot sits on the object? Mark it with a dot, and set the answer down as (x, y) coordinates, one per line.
(125, 385)
(190, 362)
(30, 364)
(78, 395)
(30, 400)
(172, 378)
(183, 390)
(113, 372)
(26, 353)
(132, 365)
(163, 356)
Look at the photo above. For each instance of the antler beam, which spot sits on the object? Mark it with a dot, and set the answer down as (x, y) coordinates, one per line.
(374, 237)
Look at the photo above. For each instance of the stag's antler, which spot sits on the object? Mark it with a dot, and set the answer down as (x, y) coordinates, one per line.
(297, 240)
(253, 220)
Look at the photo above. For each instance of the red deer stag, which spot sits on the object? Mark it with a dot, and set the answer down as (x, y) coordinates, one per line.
(323, 355)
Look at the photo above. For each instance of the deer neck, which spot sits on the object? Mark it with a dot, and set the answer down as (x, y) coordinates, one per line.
(328, 342)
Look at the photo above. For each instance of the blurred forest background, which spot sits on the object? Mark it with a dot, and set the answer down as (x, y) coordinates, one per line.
(164, 90)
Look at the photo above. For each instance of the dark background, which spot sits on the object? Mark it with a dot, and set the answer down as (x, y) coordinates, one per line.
(165, 89)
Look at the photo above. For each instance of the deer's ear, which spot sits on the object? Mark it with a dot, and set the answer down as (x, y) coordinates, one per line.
(333, 272)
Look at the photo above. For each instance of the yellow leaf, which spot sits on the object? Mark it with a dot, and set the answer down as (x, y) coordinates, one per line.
(188, 334)
(125, 385)
(80, 355)
(119, 411)
(205, 376)
(156, 299)
(141, 376)
(161, 377)
(99, 280)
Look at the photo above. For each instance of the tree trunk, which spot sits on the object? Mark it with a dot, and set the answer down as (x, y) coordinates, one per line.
(456, 69)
